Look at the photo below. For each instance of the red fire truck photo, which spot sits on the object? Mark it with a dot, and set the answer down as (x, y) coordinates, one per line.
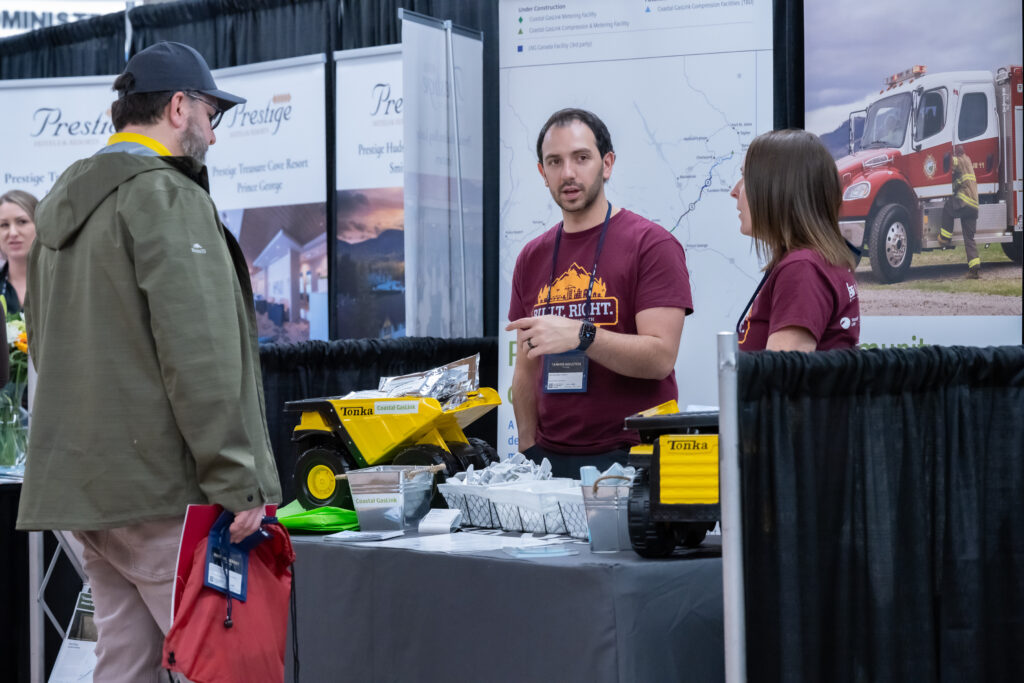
(897, 178)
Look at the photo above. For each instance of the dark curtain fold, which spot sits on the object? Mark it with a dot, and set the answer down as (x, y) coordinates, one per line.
(788, 63)
(235, 32)
(883, 511)
(85, 48)
(314, 369)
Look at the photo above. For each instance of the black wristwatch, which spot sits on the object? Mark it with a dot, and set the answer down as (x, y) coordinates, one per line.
(587, 334)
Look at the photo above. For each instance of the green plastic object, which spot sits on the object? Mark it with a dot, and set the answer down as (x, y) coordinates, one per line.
(322, 520)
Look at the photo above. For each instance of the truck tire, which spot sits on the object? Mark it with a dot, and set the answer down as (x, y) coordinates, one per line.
(693, 533)
(314, 479)
(889, 243)
(479, 453)
(429, 454)
(648, 538)
(1015, 249)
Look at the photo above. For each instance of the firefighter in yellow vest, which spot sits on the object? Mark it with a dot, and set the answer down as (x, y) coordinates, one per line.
(963, 205)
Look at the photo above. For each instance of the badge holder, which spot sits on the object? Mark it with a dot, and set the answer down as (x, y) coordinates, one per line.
(565, 373)
(227, 565)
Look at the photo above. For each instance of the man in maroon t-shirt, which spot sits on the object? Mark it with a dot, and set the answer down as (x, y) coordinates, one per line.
(598, 304)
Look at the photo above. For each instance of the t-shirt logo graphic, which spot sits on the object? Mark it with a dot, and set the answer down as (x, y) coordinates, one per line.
(198, 248)
(569, 298)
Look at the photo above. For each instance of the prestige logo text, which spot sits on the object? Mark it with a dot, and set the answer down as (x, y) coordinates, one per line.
(383, 102)
(50, 122)
(272, 115)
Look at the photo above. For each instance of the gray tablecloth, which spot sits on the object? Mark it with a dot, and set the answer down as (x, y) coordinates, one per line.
(379, 614)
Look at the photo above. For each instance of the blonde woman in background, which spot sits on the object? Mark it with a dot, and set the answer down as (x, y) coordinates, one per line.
(17, 232)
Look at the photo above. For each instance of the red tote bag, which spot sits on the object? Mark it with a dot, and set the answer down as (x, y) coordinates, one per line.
(202, 648)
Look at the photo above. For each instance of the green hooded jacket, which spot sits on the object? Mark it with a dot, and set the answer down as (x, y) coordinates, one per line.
(141, 326)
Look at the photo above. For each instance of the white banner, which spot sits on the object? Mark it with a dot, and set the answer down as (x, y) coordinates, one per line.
(48, 124)
(267, 177)
(370, 251)
(682, 102)
(444, 262)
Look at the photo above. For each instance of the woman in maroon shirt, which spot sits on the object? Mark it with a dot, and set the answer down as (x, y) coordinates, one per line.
(788, 201)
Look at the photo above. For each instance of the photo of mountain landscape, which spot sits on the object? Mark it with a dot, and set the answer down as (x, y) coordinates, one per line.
(369, 263)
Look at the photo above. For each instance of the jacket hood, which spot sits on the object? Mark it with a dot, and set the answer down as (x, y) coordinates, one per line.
(88, 182)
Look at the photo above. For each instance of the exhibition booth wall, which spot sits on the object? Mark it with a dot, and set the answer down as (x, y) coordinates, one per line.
(880, 488)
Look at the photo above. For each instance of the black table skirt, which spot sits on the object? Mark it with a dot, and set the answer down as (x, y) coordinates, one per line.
(61, 592)
(380, 614)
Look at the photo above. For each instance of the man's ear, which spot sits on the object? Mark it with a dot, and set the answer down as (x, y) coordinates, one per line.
(177, 111)
(607, 162)
(540, 169)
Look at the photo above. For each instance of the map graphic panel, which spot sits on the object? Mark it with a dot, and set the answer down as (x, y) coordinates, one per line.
(680, 122)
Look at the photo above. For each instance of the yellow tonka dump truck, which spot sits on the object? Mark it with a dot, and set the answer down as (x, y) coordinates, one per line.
(335, 435)
(674, 499)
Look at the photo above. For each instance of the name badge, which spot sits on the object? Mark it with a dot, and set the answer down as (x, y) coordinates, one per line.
(227, 565)
(565, 373)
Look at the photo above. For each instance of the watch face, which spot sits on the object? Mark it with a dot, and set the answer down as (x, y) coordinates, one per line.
(587, 333)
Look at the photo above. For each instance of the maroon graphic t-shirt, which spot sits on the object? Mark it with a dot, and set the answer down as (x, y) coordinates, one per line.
(805, 290)
(641, 266)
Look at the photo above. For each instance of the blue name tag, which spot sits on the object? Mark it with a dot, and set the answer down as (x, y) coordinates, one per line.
(227, 566)
(565, 373)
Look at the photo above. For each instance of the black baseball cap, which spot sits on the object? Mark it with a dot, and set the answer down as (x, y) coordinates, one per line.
(170, 67)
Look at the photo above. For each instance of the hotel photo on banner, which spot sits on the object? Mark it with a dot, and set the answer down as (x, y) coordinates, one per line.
(267, 177)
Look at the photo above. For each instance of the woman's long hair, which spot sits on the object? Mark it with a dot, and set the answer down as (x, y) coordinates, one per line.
(793, 191)
(23, 199)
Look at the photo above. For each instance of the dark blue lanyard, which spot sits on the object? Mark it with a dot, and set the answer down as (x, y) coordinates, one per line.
(750, 303)
(593, 271)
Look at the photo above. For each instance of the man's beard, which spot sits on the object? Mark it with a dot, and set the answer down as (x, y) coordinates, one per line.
(193, 142)
(588, 194)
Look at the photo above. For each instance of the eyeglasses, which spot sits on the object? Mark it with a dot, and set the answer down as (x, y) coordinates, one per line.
(217, 114)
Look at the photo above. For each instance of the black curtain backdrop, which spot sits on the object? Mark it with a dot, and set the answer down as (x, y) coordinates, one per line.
(883, 512)
(85, 48)
(314, 369)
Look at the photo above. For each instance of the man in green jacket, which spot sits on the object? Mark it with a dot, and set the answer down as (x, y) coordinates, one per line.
(141, 324)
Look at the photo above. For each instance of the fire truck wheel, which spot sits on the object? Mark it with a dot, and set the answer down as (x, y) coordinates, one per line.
(1015, 249)
(315, 483)
(889, 243)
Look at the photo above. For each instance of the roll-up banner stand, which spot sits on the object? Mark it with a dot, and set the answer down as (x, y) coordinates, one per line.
(444, 177)
(909, 97)
(683, 89)
(267, 176)
(48, 124)
(369, 266)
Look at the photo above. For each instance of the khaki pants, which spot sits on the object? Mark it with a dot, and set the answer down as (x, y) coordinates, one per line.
(131, 571)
